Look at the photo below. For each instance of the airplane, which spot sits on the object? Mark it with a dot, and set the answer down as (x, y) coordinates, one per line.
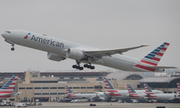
(133, 95)
(71, 95)
(178, 86)
(58, 49)
(124, 94)
(7, 90)
(165, 96)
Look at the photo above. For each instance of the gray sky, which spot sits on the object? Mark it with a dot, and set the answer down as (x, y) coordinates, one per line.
(98, 23)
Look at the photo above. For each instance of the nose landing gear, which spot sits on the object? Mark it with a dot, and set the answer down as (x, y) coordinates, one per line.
(12, 49)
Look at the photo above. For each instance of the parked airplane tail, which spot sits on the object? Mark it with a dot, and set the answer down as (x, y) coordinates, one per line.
(178, 86)
(69, 92)
(110, 88)
(147, 88)
(149, 91)
(154, 57)
(8, 88)
(130, 89)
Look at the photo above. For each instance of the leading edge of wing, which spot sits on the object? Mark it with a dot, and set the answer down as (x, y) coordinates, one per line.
(110, 52)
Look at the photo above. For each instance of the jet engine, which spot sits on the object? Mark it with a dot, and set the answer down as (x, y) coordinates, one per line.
(55, 57)
(74, 54)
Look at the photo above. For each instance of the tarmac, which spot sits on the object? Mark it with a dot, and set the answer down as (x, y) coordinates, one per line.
(105, 105)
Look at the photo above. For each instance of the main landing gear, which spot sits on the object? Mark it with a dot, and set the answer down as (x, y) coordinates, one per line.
(89, 66)
(85, 66)
(77, 66)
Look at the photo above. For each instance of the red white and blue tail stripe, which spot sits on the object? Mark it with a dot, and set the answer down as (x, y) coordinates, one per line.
(178, 86)
(8, 88)
(69, 92)
(110, 88)
(149, 91)
(154, 57)
(147, 88)
(131, 91)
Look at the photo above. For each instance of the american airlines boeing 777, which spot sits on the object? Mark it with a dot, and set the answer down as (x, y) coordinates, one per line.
(59, 49)
(151, 95)
(70, 94)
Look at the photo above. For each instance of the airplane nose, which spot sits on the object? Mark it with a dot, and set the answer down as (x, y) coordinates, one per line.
(3, 35)
(6, 34)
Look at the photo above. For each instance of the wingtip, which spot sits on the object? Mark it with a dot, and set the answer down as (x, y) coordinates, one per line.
(144, 45)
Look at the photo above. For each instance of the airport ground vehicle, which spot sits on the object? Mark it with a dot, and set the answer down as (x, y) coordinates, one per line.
(21, 105)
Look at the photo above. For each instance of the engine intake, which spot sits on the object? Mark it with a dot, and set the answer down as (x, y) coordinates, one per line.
(55, 57)
(74, 54)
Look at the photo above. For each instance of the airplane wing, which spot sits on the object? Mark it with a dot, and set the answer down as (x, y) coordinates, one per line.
(96, 97)
(100, 53)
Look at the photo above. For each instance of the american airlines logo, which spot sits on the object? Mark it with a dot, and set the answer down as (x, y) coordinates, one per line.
(27, 36)
(46, 41)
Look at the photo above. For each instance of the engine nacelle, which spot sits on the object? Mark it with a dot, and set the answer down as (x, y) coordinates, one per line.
(74, 54)
(55, 57)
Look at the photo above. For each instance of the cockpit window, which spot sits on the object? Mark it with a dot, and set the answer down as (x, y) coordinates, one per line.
(7, 31)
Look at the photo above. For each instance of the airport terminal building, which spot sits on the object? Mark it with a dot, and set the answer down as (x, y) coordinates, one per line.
(50, 86)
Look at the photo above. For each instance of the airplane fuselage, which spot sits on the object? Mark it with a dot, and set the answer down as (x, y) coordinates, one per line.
(60, 47)
(141, 93)
(163, 96)
(83, 96)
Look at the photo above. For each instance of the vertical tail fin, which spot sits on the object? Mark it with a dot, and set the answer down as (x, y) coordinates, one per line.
(130, 89)
(9, 86)
(149, 92)
(147, 88)
(154, 57)
(69, 92)
(110, 88)
(178, 86)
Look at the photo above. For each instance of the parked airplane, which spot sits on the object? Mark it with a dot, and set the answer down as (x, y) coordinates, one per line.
(8, 89)
(123, 94)
(60, 50)
(133, 95)
(151, 95)
(71, 95)
(178, 86)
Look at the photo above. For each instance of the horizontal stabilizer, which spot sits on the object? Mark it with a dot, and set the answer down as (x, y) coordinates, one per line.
(15, 94)
(161, 67)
